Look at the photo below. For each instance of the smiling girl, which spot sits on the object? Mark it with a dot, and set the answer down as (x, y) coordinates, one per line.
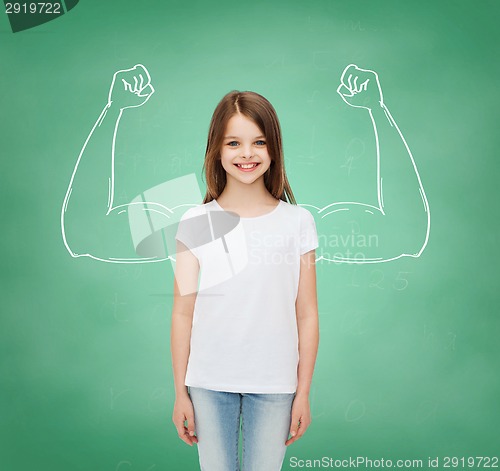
(244, 347)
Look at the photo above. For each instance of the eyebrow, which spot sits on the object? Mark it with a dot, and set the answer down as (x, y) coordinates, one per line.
(236, 137)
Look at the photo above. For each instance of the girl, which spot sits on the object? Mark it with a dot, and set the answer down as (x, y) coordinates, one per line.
(244, 347)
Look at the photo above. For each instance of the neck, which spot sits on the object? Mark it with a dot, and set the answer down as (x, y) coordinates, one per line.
(243, 195)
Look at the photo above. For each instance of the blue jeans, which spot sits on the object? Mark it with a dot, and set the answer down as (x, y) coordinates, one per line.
(265, 423)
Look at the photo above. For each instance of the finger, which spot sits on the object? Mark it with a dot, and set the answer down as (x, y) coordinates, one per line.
(190, 426)
(147, 90)
(191, 438)
(186, 438)
(294, 427)
(356, 84)
(302, 430)
(364, 85)
(141, 82)
(349, 82)
(345, 72)
(127, 85)
(291, 440)
(343, 91)
(135, 84)
(181, 432)
(141, 69)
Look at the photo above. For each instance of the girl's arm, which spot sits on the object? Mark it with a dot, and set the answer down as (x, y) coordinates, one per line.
(185, 285)
(306, 307)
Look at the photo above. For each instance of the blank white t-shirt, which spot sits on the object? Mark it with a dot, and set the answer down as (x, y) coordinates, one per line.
(244, 334)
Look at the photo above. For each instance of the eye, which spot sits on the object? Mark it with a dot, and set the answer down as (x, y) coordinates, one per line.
(231, 142)
(261, 143)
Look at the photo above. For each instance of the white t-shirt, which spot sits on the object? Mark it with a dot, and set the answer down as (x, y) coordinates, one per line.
(244, 334)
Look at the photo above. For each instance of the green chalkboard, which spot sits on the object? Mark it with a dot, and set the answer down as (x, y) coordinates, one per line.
(404, 198)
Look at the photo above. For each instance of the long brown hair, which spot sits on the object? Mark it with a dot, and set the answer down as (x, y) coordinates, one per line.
(256, 108)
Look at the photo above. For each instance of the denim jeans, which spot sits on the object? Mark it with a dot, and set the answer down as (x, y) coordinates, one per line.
(265, 426)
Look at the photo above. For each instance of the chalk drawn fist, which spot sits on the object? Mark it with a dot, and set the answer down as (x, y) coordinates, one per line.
(131, 87)
(360, 88)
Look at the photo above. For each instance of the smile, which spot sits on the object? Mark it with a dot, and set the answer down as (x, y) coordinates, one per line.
(247, 167)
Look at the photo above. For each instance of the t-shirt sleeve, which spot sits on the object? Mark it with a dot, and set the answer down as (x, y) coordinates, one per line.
(184, 232)
(308, 234)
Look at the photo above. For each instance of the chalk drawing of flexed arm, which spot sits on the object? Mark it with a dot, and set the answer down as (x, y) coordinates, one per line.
(90, 222)
(399, 224)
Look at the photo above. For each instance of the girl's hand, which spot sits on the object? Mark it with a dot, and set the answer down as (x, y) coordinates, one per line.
(300, 413)
(183, 410)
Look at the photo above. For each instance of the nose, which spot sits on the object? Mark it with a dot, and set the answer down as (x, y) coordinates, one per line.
(246, 151)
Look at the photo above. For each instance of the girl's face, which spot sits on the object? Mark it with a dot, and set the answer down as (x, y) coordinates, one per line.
(244, 143)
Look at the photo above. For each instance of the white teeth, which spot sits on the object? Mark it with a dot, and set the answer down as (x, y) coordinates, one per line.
(246, 165)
